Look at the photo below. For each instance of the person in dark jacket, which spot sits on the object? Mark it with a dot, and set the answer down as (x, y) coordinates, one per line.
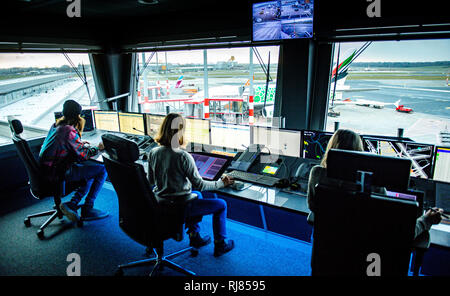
(64, 156)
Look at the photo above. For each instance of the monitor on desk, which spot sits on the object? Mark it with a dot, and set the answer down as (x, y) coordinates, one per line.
(197, 131)
(106, 120)
(442, 164)
(132, 123)
(210, 166)
(153, 123)
(86, 114)
(387, 171)
(230, 135)
(278, 141)
(315, 143)
(421, 155)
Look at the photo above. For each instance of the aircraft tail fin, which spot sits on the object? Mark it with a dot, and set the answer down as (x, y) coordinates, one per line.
(179, 81)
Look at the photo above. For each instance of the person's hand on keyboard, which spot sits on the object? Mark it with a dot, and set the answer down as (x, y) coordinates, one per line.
(227, 180)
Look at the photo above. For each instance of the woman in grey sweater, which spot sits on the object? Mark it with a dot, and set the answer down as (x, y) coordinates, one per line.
(173, 172)
(349, 140)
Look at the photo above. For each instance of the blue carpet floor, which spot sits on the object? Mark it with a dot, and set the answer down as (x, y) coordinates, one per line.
(102, 246)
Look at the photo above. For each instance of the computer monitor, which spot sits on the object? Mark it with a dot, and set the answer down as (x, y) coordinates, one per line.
(153, 123)
(106, 120)
(277, 20)
(315, 143)
(132, 123)
(387, 171)
(442, 196)
(421, 155)
(197, 131)
(442, 164)
(210, 166)
(86, 114)
(230, 135)
(278, 141)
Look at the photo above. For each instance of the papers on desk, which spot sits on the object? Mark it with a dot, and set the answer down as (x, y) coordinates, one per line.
(98, 158)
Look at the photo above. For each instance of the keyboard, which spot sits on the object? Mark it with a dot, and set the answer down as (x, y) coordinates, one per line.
(254, 178)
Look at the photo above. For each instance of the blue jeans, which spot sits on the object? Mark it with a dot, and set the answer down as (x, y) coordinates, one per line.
(206, 206)
(95, 175)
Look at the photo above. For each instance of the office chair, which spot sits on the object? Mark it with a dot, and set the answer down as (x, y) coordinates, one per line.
(144, 218)
(40, 187)
(349, 227)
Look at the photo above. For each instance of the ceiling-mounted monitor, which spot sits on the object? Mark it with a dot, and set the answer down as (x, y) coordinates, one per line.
(282, 19)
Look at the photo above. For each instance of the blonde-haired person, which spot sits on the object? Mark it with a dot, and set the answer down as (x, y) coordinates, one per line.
(173, 172)
(349, 140)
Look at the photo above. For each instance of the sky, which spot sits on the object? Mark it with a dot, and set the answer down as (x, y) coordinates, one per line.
(400, 51)
(380, 51)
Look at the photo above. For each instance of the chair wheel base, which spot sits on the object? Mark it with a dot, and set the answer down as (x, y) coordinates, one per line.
(40, 234)
(194, 252)
(27, 222)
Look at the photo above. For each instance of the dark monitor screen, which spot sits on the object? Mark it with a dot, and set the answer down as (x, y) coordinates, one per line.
(315, 143)
(421, 155)
(390, 172)
(86, 114)
(132, 123)
(277, 20)
(210, 166)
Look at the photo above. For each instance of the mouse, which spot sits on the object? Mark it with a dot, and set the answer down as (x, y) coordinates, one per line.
(238, 185)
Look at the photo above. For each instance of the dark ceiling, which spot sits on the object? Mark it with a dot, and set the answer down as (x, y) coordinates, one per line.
(122, 21)
(119, 23)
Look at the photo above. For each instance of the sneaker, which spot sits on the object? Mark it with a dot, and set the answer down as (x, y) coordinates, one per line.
(88, 213)
(197, 241)
(223, 247)
(70, 211)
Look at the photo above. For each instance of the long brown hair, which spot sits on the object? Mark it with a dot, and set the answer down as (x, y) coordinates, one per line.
(343, 139)
(77, 123)
(171, 132)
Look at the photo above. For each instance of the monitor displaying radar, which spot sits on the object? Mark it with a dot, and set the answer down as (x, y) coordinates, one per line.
(421, 155)
(132, 123)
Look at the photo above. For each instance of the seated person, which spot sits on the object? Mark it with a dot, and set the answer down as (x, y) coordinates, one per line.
(64, 156)
(349, 140)
(174, 173)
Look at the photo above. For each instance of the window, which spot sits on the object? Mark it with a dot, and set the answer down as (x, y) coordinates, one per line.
(217, 84)
(34, 86)
(386, 85)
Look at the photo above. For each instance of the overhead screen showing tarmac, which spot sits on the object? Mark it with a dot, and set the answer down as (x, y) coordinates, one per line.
(276, 20)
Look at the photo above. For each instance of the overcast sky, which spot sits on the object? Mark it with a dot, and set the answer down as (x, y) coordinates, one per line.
(381, 51)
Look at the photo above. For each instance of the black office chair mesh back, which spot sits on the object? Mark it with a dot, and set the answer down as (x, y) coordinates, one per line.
(137, 204)
(349, 226)
(37, 183)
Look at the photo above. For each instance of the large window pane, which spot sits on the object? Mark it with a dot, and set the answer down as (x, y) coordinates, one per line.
(34, 86)
(392, 85)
